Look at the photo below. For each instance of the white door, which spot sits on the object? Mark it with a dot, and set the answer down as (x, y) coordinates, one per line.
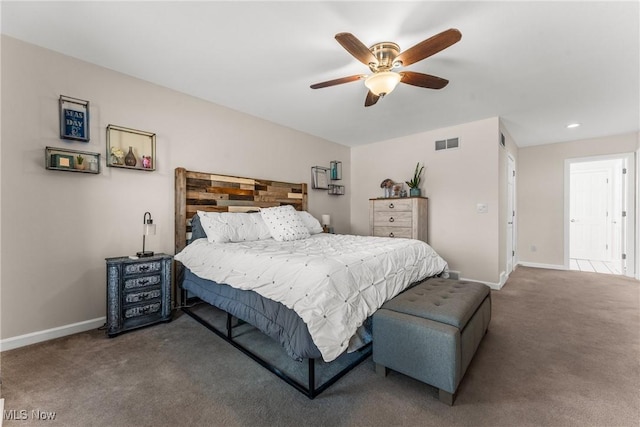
(511, 213)
(589, 207)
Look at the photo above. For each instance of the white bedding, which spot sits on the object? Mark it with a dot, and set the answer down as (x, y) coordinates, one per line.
(333, 282)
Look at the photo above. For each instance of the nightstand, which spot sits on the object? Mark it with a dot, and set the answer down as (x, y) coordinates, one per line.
(138, 292)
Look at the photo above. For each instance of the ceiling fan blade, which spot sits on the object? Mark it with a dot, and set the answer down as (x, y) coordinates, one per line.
(430, 46)
(423, 80)
(370, 99)
(337, 81)
(356, 48)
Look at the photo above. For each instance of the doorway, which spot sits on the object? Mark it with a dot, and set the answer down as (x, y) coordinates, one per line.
(599, 218)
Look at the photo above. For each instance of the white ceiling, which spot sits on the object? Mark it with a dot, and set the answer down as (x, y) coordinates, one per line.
(537, 65)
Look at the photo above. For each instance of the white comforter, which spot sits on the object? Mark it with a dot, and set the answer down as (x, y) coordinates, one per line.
(333, 282)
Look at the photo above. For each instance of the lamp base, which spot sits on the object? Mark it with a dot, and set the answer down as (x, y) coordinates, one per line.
(144, 254)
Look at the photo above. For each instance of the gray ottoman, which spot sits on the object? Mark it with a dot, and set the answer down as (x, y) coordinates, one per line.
(431, 332)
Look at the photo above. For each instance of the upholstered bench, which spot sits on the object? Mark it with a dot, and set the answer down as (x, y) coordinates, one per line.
(431, 332)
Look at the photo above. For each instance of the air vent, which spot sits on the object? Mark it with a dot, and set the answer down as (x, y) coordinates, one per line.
(446, 144)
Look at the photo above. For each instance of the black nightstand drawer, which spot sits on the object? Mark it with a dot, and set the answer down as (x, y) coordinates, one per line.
(139, 282)
(142, 268)
(135, 297)
(141, 310)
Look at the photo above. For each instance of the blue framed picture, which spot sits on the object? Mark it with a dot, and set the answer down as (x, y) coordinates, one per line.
(74, 119)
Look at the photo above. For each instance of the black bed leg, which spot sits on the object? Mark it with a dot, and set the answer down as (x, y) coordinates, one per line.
(229, 329)
(312, 378)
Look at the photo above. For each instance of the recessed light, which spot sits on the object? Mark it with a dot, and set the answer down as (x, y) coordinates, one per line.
(573, 125)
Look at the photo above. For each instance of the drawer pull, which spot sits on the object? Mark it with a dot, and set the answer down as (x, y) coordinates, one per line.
(143, 281)
(391, 235)
(391, 219)
(391, 206)
(144, 267)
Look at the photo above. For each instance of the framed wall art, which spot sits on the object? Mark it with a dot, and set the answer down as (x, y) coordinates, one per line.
(74, 118)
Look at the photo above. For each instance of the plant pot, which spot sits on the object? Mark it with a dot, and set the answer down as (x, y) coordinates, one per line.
(81, 166)
(414, 192)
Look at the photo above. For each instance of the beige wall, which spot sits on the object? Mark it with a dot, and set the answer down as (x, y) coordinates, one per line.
(455, 181)
(541, 193)
(57, 227)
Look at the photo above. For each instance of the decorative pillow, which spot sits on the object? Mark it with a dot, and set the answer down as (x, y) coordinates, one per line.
(197, 232)
(223, 227)
(310, 222)
(284, 223)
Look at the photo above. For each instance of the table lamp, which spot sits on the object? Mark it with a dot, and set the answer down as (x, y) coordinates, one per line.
(149, 229)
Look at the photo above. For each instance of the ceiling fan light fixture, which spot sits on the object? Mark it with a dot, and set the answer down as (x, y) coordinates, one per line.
(382, 83)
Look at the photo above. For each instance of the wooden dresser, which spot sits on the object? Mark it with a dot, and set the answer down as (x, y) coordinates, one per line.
(398, 217)
(138, 292)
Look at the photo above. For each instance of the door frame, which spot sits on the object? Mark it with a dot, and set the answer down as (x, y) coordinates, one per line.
(630, 190)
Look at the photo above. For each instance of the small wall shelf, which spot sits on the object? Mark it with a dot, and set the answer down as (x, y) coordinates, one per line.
(336, 190)
(131, 148)
(319, 178)
(322, 178)
(335, 170)
(63, 159)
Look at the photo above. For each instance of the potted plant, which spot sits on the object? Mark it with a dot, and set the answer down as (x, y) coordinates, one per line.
(80, 164)
(117, 156)
(414, 184)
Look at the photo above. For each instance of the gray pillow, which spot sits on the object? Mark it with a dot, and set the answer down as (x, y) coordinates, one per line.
(197, 232)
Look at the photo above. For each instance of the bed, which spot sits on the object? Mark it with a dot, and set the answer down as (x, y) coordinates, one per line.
(314, 293)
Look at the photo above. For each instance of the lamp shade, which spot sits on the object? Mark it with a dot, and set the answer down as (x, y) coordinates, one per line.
(149, 229)
(382, 83)
(326, 219)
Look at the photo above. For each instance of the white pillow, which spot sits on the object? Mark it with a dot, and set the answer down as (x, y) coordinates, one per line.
(311, 222)
(223, 227)
(284, 223)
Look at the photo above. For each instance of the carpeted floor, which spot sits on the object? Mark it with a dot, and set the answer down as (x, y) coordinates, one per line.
(563, 349)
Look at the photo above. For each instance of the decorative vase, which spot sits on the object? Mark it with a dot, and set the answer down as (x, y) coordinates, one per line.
(414, 192)
(130, 158)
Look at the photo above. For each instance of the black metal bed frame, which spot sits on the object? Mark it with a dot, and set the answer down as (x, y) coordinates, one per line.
(310, 390)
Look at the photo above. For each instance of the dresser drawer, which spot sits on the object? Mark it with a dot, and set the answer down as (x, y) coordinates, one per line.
(142, 267)
(142, 310)
(392, 219)
(393, 232)
(139, 282)
(393, 205)
(135, 297)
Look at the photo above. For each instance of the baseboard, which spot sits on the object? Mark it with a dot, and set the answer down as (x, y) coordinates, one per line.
(492, 285)
(49, 334)
(538, 265)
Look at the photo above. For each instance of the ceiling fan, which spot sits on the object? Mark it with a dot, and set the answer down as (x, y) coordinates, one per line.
(382, 58)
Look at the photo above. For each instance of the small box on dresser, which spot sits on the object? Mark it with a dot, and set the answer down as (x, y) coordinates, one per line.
(138, 292)
(398, 217)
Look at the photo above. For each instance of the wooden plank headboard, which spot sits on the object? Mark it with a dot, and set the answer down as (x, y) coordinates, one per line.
(221, 193)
